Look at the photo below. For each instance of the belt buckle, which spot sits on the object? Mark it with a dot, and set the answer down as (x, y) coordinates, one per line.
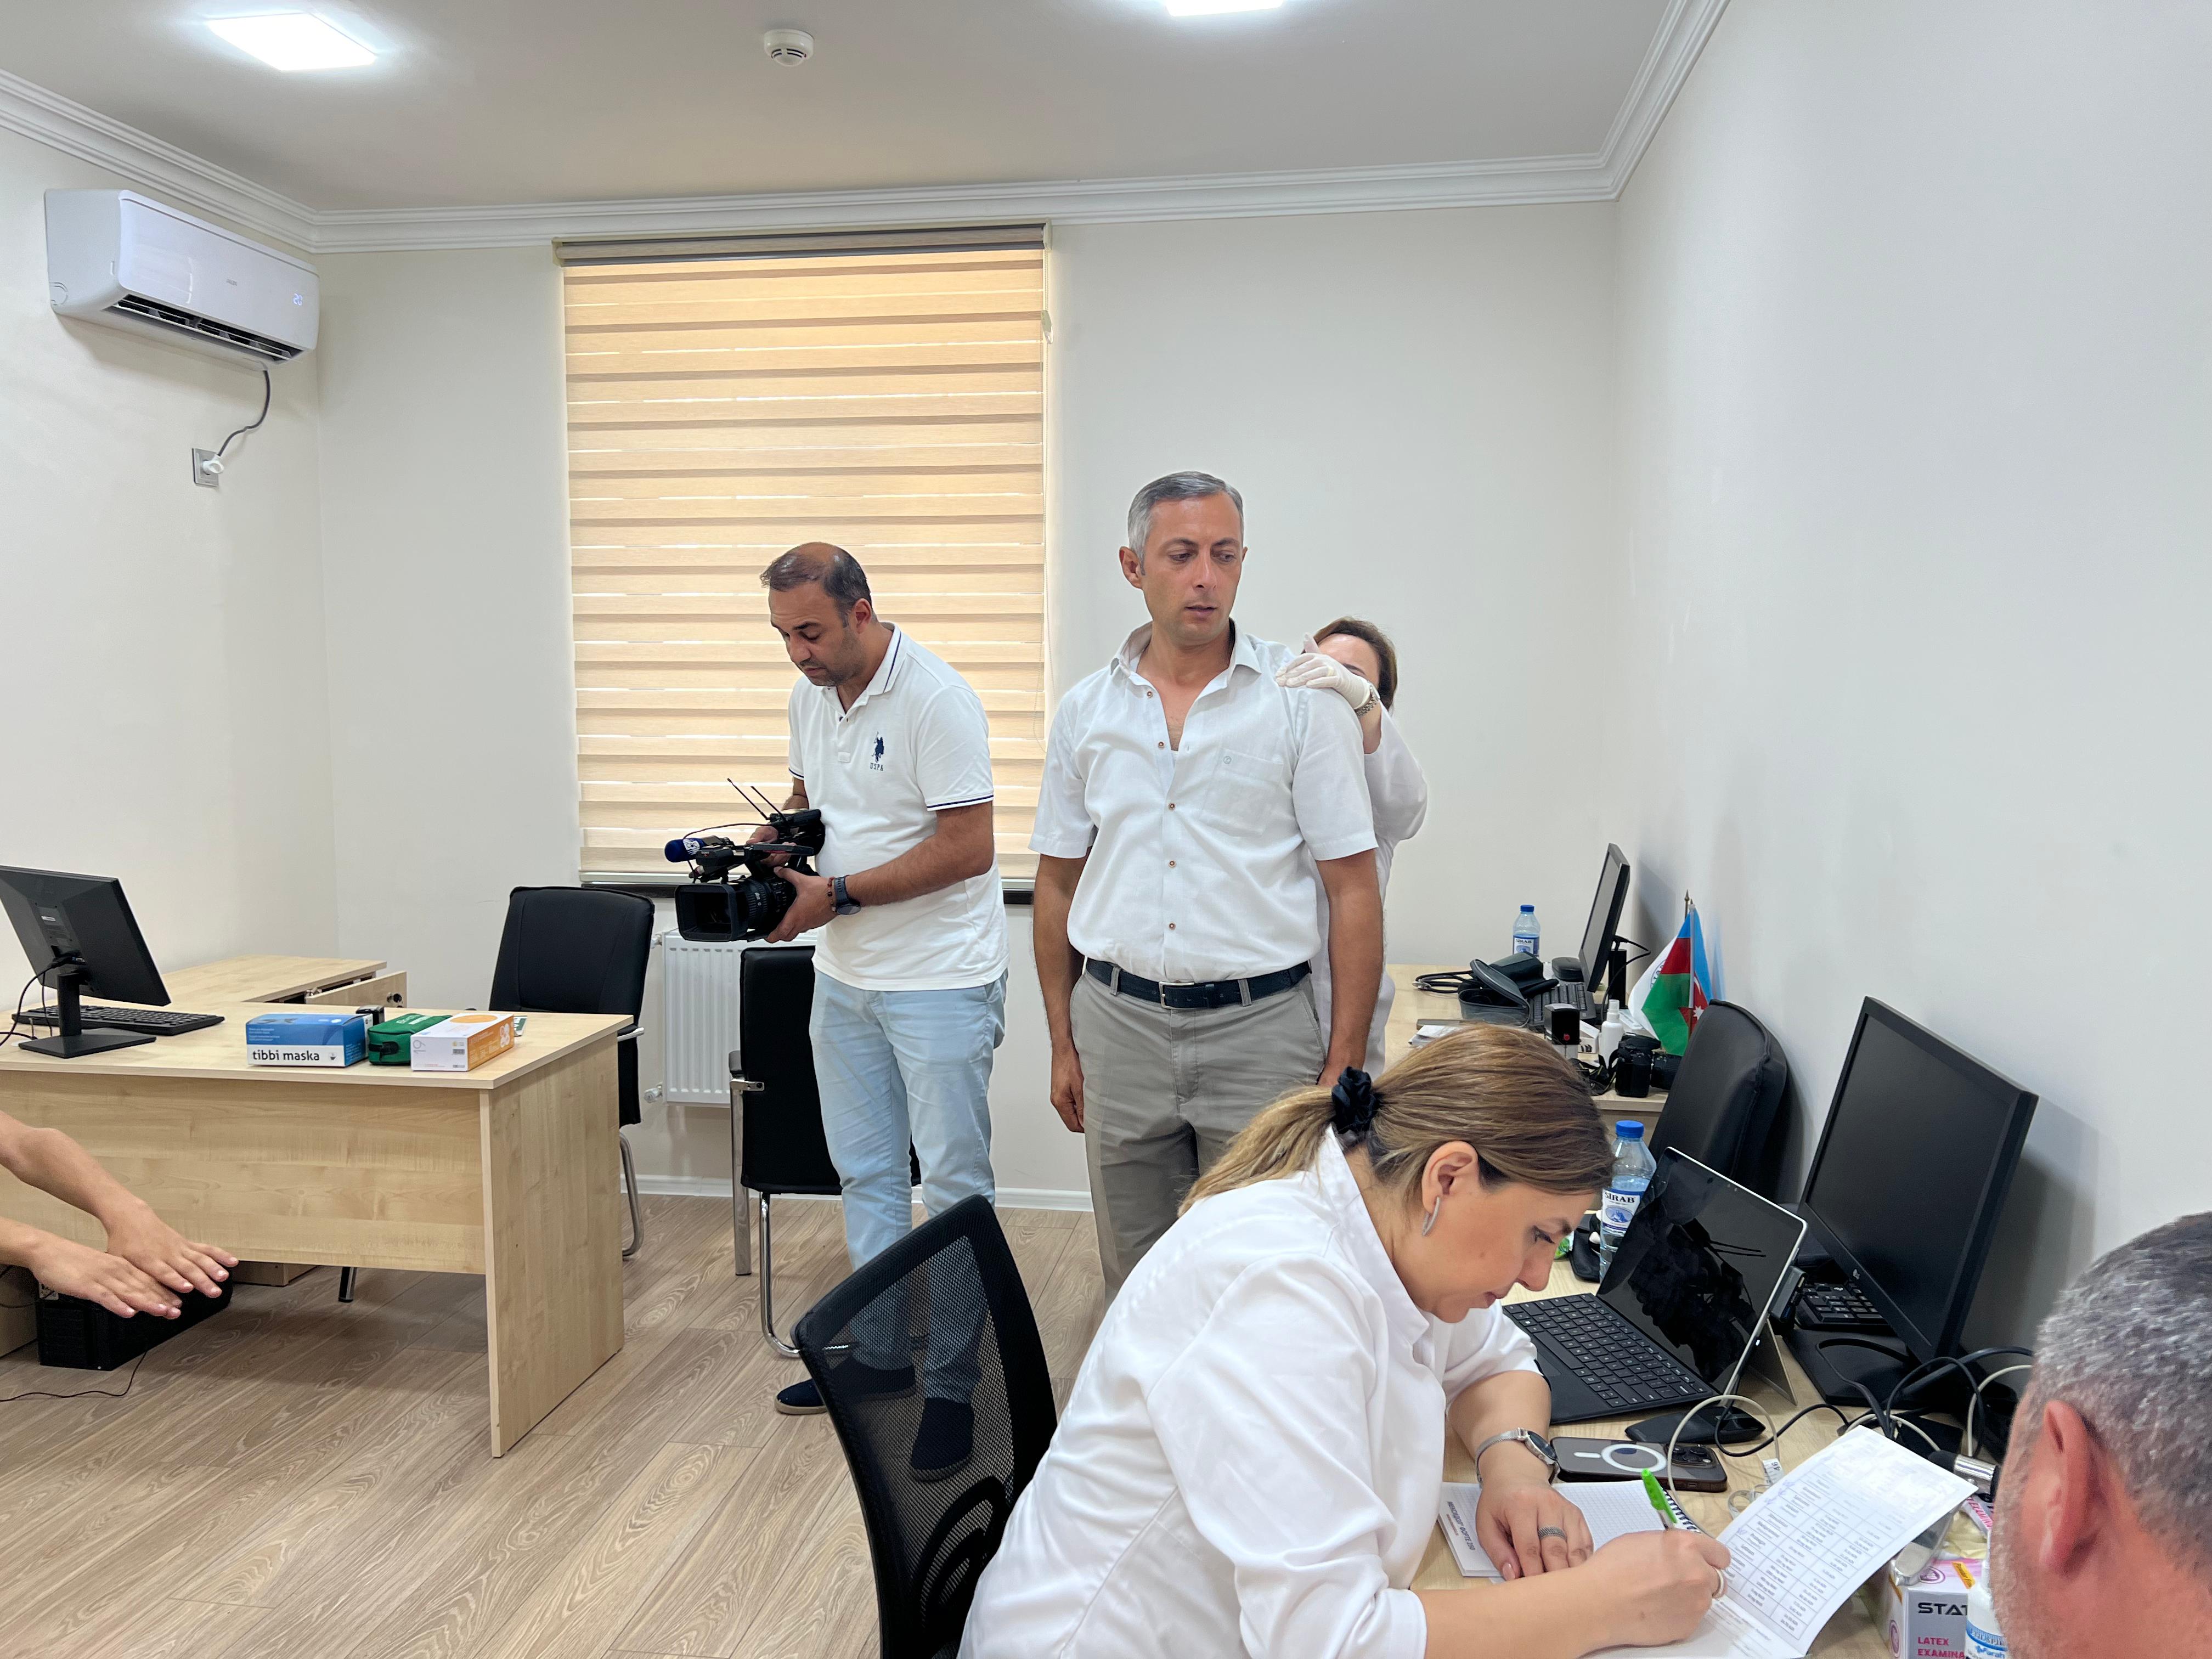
(1168, 985)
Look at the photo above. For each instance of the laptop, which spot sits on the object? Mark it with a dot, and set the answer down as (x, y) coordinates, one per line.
(1680, 1310)
(1599, 934)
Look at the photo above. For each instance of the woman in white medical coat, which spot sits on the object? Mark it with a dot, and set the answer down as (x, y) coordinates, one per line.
(1252, 1455)
(1356, 660)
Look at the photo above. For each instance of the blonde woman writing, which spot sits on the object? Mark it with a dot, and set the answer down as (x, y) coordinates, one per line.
(1251, 1457)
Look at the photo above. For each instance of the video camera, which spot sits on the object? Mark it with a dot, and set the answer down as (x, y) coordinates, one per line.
(720, 904)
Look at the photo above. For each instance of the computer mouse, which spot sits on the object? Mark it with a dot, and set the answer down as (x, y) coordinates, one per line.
(1583, 1258)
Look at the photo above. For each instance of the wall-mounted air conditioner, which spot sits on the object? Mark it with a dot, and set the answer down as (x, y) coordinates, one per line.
(115, 257)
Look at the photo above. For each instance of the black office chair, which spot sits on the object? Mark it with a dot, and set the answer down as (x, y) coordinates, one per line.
(777, 1148)
(577, 951)
(1723, 1109)
(931, 1540)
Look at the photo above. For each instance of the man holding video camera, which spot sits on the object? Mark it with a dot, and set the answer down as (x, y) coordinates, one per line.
(910, 974)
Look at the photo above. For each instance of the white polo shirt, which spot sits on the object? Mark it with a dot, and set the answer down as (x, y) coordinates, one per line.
(1251, 1456)
(912, 744)
(1201, 858)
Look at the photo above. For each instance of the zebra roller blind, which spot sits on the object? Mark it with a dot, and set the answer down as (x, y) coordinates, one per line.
(763, 391)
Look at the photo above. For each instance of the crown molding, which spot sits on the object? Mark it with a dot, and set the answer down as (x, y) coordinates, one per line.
(186, 178)
(1600, 176)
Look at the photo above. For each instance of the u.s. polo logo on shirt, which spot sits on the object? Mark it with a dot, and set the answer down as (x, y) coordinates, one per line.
(875, 763)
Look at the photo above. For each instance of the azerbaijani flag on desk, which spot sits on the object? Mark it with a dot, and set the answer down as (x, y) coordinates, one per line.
(1677, 987)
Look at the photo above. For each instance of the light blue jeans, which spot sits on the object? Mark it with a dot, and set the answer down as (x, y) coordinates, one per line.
(894, 1067)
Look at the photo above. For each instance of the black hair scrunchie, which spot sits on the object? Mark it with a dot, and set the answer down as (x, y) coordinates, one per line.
(1352, 1103)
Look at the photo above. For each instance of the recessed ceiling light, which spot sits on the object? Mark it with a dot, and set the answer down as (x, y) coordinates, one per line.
(291, 41)
(1209, 8)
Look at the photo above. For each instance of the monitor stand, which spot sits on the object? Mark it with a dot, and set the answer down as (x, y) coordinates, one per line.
(1734, 1428)
(72, 1040)
(1835, 1361)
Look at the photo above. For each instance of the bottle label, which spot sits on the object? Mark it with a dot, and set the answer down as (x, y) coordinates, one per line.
(1524, 945)
(1618, 1210)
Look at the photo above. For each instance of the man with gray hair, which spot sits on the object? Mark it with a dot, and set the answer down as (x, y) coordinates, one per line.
(1192, 816)
(2103, 1542)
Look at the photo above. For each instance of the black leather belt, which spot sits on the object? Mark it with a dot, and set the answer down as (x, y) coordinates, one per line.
(1206, 994)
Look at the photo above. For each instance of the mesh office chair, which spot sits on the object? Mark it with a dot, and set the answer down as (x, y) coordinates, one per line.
(950, 1288)
(577, 951)
(1723, 1109)
(776, 1144)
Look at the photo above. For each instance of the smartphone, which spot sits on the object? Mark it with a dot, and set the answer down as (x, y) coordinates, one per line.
(1697, 1468)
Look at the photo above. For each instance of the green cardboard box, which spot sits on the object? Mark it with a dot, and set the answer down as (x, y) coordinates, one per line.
(392, 1042)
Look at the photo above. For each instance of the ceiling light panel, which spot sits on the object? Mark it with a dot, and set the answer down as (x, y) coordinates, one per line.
(1213, 8)
(291, 41)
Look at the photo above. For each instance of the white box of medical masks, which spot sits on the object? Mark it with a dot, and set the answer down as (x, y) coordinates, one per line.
(1927, 1618)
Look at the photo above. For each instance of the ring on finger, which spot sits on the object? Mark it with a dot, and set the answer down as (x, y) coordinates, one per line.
(1560, 1533)
(1720, 1583)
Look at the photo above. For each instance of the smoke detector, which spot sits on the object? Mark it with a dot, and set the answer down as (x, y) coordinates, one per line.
(788, 46)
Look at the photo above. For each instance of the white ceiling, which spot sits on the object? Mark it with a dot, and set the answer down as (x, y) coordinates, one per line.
(498, 102)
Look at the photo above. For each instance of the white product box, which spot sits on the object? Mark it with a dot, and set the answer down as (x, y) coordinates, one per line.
(462, 1043)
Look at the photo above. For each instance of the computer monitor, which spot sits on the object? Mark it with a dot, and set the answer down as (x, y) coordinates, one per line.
(1911, 1174)
(79, 932)
(1604, 928)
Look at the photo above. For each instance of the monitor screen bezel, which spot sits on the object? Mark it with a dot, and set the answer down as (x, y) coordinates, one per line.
(131, 977)
(1997, 1182)
(1616, 866)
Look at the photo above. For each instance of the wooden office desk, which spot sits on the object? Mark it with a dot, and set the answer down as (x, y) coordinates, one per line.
(264, 979)
(508, 1171)
(1411, 1007)
(1851, 1634)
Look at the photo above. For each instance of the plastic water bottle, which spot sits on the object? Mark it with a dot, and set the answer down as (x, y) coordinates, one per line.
(1633, 1169)
(1983, 1640)
(1526, 937)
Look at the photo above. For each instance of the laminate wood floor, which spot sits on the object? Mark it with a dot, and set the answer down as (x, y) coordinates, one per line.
(300, 1479)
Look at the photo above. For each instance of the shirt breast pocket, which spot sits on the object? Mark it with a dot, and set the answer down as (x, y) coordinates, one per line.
(1248, 790)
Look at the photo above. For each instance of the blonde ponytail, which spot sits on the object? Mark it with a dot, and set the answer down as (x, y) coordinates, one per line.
(1504, 1091)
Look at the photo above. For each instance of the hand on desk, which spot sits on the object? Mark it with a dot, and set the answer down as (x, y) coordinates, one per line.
(158, 1250)
(1513, 1513)
(1660, 1584)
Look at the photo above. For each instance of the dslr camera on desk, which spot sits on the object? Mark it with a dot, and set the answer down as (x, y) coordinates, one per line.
(733, 892)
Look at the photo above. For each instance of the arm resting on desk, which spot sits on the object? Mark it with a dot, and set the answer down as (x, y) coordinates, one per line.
(143, 1253)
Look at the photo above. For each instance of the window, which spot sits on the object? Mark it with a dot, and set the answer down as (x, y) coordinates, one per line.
(729, 399)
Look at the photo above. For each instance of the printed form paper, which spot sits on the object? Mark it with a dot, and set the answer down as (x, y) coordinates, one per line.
(1797, 1553)
(1613, 1509)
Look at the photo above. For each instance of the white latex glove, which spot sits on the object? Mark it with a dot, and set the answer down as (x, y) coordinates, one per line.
(1311, 670)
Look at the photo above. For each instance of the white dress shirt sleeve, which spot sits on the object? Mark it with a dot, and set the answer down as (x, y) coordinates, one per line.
(953, 750)
(1263, 1420)
(1395, 786)
(1062, 828)
(1329, 786)
(1482, 1345)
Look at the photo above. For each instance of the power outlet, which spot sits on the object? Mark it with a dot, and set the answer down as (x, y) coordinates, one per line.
(207, 469)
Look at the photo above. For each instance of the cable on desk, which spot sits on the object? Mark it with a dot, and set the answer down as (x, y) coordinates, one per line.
(2002, 1370)
(16, 1025)
(1691, 1415)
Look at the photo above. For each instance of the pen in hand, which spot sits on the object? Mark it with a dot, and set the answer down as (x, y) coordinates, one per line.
(1671, 1514)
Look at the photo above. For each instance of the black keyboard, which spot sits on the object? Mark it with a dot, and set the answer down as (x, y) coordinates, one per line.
(1836, 1308)
(1617, 1362)
(146, 1022)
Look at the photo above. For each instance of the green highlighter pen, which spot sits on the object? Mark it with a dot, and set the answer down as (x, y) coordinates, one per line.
(1669, 1516)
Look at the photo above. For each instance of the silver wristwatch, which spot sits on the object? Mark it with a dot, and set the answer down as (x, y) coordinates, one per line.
(1529, 1439)
(844, 904)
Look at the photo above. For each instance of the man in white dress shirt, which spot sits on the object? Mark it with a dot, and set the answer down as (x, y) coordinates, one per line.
(1193, 815)
(910, 975)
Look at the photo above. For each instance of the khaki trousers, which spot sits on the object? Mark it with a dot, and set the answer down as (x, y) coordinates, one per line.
(1166, 1089)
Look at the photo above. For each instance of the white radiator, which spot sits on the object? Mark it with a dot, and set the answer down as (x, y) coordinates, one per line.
(699, 1017)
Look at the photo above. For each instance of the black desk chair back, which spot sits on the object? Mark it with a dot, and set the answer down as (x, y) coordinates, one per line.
(1724, 1108)
(582, 951)
(952, 1277)
(777, 1148)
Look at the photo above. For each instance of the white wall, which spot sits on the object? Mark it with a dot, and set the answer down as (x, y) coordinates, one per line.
(1916, 422)
(1472, 379)
(163, 667)
(445, 545)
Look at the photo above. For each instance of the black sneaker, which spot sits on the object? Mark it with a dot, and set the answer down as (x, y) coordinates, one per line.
(863, 1381)
(945, 1440)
